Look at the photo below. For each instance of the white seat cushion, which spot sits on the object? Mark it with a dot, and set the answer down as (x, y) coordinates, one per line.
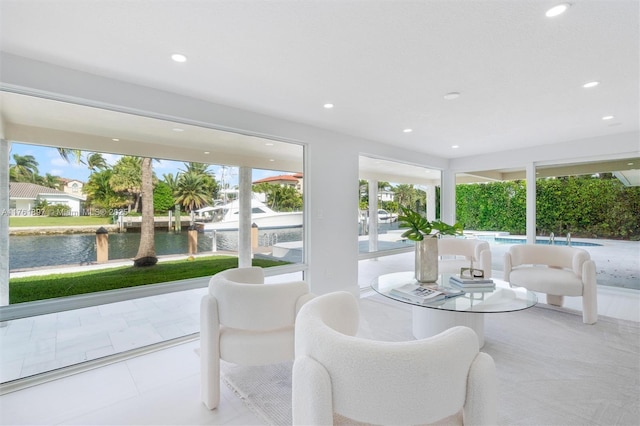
(547, 280)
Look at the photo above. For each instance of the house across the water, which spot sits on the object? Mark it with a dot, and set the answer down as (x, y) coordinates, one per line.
(25, 197)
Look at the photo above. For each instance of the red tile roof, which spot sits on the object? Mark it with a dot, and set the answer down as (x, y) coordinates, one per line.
(290, 178)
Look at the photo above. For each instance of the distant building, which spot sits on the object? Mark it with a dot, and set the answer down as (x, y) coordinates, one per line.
(23, 198)
(294, 181)
(72, 186)
(385, 195)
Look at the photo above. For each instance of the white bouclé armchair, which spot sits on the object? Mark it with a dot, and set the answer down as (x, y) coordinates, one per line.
(245, 321)
(341, 378)
(456, 253)
(555, 271)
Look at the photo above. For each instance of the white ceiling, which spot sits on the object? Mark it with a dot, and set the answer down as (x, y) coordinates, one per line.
(386, 65)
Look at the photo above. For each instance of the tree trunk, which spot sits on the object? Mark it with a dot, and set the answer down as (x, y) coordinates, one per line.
(147, 250)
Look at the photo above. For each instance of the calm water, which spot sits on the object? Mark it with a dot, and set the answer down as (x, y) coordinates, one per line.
(32, 251)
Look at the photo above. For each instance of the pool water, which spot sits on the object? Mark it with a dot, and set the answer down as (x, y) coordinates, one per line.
(557, 242)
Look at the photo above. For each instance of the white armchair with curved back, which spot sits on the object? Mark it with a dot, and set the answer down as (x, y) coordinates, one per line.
(339, 377)
(456, 253)
(245, 321)
(555, 271)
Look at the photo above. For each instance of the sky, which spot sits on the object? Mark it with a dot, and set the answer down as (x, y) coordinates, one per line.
(49, 161)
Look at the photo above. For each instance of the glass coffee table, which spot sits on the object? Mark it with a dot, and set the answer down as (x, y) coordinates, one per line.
(467, 309)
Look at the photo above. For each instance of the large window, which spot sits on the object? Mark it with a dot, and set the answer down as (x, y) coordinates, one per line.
(593, 206)
(384, 186)
(76, 198)
(185, 195)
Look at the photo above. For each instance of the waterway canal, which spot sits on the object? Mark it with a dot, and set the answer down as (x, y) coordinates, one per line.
(31, 251)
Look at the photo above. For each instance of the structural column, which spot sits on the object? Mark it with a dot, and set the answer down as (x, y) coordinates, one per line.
(448, 196)
(431, 202)
(244, 225)
(373, 215)
(5, 148)
(531, 203)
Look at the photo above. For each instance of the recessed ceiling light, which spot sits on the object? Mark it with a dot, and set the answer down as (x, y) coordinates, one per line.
(328, 106)
(608, 117)
(207, 152)
(272, 160)
(452, 95)
(177, 129)
(408, 130)
(179, 57)
(268, 144)
(115, 140)
(455, 146)
(591, 84)
(557, 10)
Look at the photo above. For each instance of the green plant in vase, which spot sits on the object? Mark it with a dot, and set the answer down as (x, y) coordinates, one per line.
(422, 232)
(419, 226)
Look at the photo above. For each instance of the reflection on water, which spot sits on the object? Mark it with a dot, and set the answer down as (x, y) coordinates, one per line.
(31, 251)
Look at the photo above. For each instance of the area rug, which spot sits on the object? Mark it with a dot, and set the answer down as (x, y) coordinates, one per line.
(552, 369)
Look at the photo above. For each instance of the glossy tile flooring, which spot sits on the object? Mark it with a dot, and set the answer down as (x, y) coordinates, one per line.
(162, 387)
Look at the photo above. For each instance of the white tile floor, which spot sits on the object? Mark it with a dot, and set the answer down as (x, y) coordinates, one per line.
(161, 387)
(158, 388)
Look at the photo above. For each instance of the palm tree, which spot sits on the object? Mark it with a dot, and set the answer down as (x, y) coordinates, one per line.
(405, 195)
(68, 153)
(171, 181)
(146, 250)
(193, 190)
(199, 168)
(25, 168)
(203, 170)
(95, 161)
(51, 181)
(383, 186)
(99, 193)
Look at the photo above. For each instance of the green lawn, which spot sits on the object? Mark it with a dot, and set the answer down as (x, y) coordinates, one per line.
(28, 289)
(24, 221)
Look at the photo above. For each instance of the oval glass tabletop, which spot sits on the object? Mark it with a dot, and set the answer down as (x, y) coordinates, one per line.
(502, 298)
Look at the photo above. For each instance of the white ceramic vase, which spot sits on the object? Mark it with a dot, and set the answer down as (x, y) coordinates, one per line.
(427, 260)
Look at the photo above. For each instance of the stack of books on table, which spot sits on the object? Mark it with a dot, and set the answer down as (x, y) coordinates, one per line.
(417, 294)
(472, 284)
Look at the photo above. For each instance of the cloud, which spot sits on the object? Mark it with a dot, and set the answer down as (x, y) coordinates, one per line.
(61, 162)
(164, 164)
(111, 159)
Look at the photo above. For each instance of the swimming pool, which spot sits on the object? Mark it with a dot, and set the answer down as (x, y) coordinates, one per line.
(557, 242)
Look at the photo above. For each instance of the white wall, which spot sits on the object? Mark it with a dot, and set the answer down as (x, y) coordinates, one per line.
(23, 208)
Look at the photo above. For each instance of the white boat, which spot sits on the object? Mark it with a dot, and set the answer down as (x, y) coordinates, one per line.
(225, 217)
(386, 217)
(383, 216)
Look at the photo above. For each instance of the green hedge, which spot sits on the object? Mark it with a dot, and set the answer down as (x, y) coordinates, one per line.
(591, 207)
